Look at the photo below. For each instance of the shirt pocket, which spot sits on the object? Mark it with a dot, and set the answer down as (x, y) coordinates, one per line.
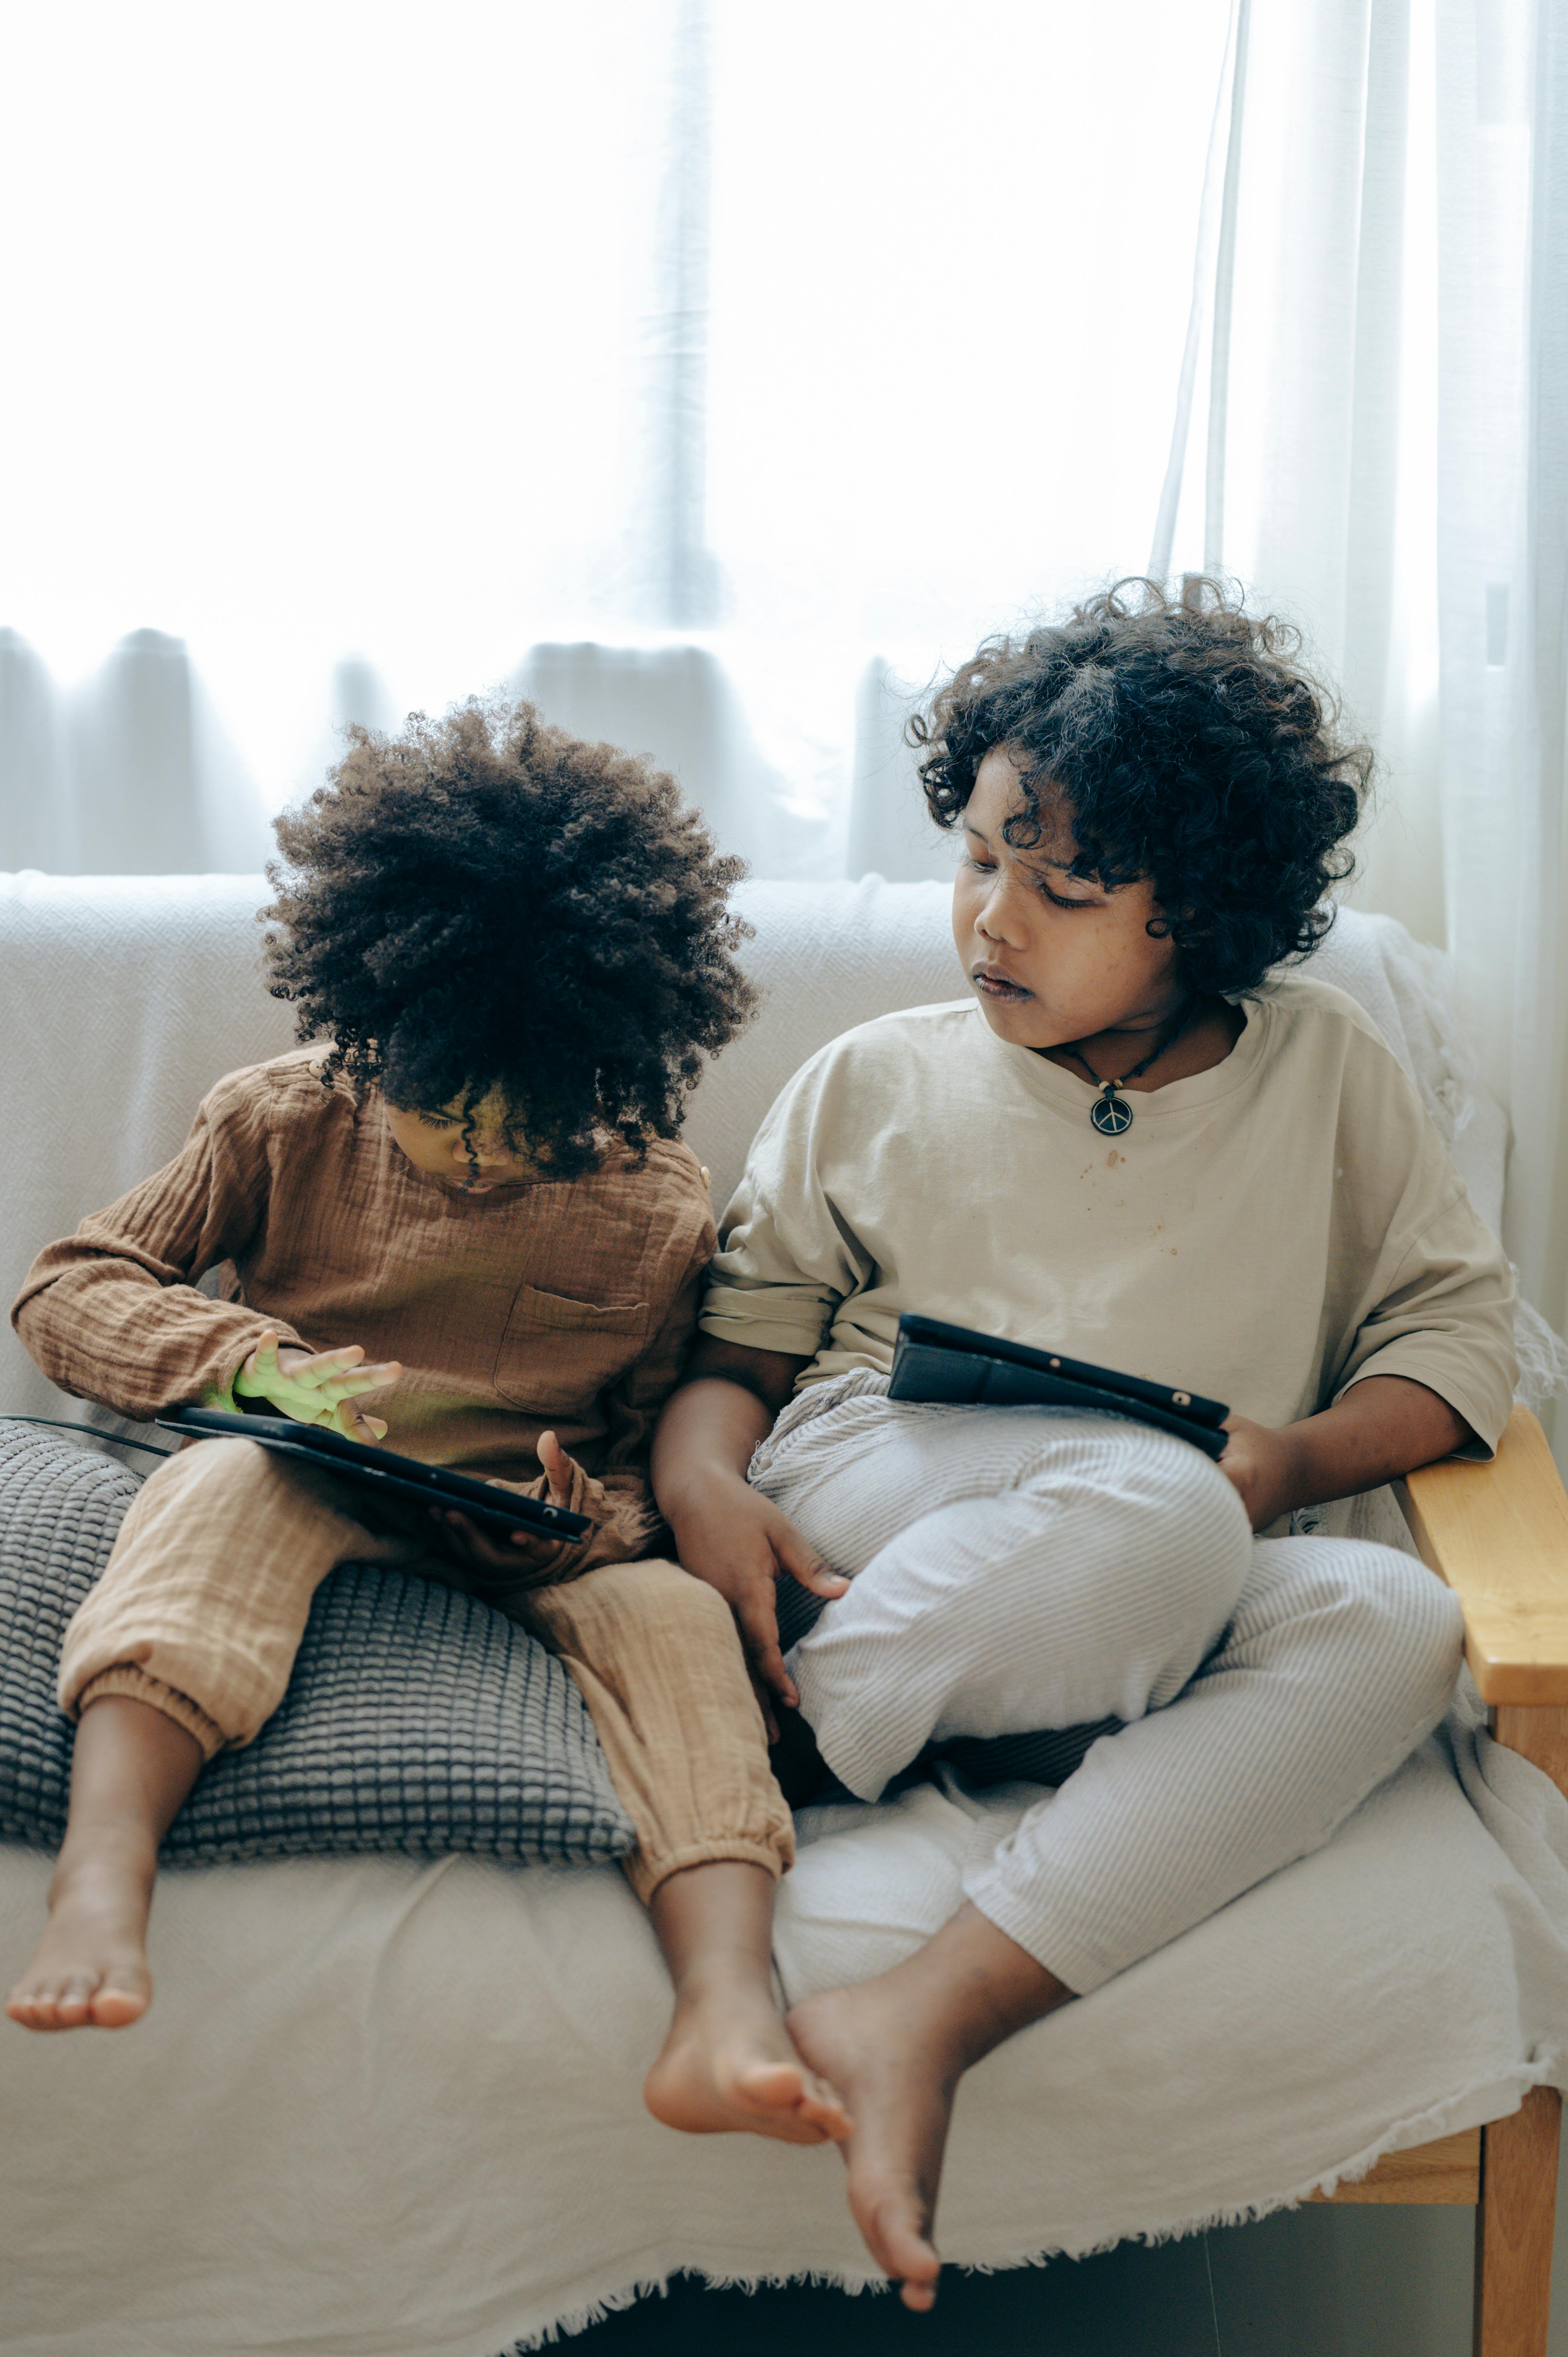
(557, 1353)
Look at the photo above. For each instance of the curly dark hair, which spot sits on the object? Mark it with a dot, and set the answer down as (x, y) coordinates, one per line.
(484, 902)
(1191, 746)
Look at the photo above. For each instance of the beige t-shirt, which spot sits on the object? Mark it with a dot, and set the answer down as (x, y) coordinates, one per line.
(1265, 1232)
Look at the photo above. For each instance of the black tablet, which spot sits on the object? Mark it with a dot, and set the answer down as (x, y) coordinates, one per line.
(382, 1470)
(955, 1366)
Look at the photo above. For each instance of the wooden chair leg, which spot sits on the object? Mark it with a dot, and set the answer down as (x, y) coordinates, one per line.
(1514, 2220)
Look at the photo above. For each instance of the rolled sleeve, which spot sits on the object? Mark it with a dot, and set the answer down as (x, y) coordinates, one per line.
(787, 1254)
(1447, 1322)
(768, 1317)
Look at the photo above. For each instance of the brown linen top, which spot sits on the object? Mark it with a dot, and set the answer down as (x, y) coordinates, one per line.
(565, 1302)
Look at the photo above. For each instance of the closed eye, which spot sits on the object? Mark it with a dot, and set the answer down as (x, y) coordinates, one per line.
(1056, 900)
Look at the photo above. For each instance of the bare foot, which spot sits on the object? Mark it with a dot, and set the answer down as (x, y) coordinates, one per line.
(89, 1970)
(131, 1769)
(897, 2047)
(728, 2063)
(900, 2093)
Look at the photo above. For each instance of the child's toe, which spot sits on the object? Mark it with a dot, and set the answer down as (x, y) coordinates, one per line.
(826, 2109)
(112, 2008)
(35, 2007)
(895, 2227)
(72, 1999)
(122, 1997)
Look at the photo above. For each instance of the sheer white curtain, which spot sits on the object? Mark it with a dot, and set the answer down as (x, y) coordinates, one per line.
(1375, 439)
(319, 327)
(709, 371)
(714, 373)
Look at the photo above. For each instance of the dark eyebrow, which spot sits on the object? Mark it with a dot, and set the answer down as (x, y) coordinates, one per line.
(1058, 867)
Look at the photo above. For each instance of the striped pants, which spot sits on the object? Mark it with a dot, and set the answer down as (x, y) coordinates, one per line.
(1079, 1599)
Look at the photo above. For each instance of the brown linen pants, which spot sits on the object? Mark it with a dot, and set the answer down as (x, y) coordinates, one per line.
(202, 1604)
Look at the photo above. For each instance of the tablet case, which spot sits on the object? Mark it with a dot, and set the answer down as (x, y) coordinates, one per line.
(382, 1469)
(954, 1366)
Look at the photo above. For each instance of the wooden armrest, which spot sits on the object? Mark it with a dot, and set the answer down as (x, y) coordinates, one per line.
(1498, 1534)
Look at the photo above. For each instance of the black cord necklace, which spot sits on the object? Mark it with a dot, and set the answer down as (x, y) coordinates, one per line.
(1110, 1113)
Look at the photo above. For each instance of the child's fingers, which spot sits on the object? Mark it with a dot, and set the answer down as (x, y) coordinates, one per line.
(797, 1556)
(758, 1621)
(325, 1366)
(347, 1417)
(516, 1551)
(765, 1704)
(768, 1664)
(489, 1542)
(359, 1379)
(321, 1366)
(558, 1467)
(457, 1526)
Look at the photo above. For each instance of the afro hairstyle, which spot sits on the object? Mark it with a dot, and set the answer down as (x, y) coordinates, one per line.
(484, 902)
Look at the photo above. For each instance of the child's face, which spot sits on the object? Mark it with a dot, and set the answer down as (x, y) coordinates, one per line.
(434, 1142)
(1051, 957)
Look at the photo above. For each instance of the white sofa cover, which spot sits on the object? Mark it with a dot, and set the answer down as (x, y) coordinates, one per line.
(387, 2108)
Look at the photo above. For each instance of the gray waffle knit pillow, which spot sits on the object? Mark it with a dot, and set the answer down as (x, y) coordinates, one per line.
(416, 1719)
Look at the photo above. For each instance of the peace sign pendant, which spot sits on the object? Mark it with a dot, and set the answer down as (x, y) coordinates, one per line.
(1110, 1113)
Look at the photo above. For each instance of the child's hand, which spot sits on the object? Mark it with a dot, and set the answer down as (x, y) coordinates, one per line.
(739, 1540)
(317, 1386)
(484, 1550)
(1261, 1463)
(1382, 1428)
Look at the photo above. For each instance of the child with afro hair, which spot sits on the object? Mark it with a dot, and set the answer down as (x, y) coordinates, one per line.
(460, 1220)
(1136, 1140)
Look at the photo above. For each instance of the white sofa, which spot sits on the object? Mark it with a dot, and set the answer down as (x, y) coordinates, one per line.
(389, 2108)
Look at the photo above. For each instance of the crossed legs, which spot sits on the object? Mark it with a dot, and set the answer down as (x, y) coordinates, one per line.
(1066, 1571)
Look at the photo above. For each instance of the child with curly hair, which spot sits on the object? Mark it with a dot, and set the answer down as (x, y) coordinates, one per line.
(461, 1220)
(1135, 1140)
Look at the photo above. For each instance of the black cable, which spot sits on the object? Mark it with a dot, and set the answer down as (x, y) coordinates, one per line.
(86, 1432)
